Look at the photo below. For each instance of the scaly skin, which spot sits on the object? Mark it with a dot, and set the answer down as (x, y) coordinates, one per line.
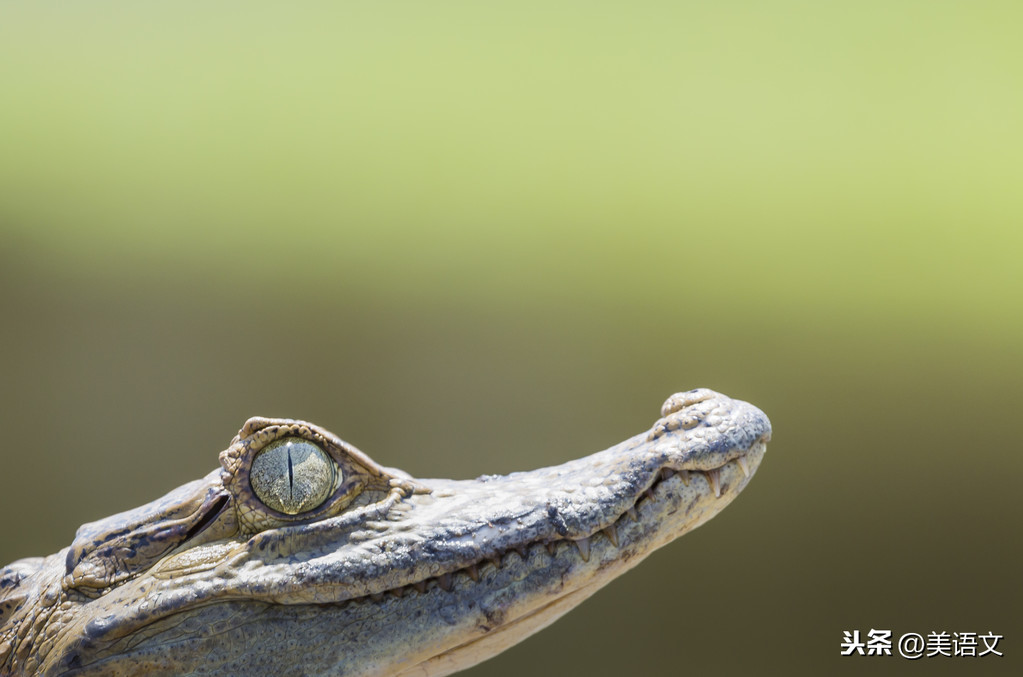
(389, 575)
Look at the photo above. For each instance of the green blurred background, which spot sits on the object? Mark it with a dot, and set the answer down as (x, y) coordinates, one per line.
(476, 237)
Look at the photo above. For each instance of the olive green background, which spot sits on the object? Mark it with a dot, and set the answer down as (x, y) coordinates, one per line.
(477, 237)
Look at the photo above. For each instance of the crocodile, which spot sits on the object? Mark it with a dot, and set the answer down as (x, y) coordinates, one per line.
(300, 555)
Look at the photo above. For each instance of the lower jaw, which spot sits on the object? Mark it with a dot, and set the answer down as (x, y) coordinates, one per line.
(674, 505)
(497, 641)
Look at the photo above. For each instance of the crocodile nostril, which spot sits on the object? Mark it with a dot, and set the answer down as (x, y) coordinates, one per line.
(680, 401)
(292, 475)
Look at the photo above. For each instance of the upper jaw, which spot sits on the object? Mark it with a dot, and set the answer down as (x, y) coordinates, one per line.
(427, 528)
(703, 451)
(698, 456)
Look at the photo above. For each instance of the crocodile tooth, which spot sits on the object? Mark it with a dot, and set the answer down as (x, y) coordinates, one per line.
(551, 548)
(495, 560)
(584, 548)
(631, 512)
(742, 464)
(444, 581)
(666, 473)
(523, 552)
(649, 493)
(420, 586)
(376, 596)
(474, 572)
(684, 474)
(612, 535)
(397, 592)
(714, 479)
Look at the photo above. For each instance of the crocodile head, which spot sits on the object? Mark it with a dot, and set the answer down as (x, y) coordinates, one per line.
(301, 555)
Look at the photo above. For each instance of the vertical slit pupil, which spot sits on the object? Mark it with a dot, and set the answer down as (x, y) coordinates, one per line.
(291, 477)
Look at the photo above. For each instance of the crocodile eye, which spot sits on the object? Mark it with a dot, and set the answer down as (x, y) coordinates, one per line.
(292, 475)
